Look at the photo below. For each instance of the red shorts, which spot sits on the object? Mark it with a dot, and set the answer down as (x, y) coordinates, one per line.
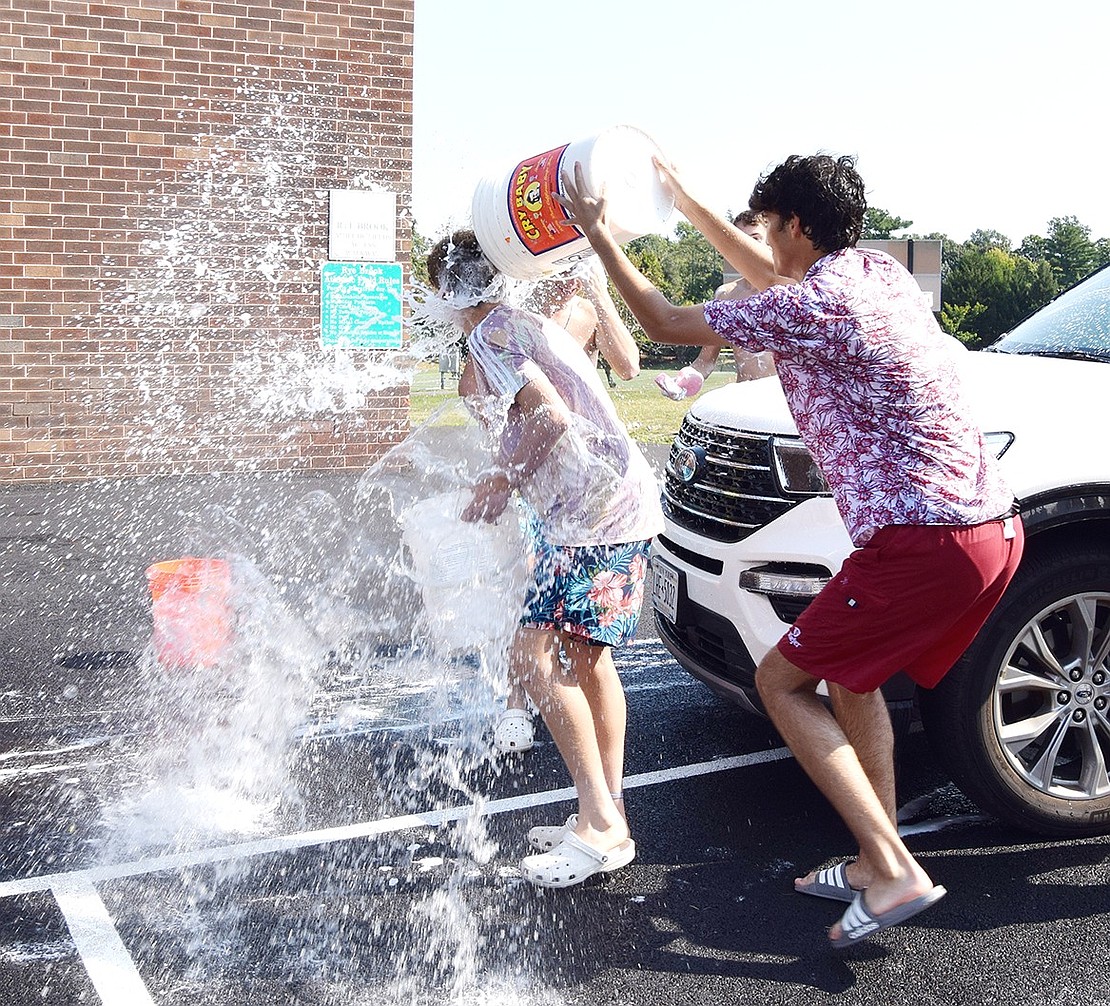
(912, 599)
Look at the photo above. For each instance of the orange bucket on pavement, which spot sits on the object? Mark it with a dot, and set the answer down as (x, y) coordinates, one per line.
(191, 607)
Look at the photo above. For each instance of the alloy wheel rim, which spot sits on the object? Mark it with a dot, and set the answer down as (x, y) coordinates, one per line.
(1051, 702)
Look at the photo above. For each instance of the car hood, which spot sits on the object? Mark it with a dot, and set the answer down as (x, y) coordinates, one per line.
(1003, 389)
(1054, 408)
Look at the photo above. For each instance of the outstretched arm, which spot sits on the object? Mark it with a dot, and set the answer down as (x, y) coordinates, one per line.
(752, 259)
(661, 320)
(612, 338)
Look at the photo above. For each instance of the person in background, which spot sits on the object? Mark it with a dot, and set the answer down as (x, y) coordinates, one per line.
(749, 366)
(874, 387)
(561, 446)
(579, 302)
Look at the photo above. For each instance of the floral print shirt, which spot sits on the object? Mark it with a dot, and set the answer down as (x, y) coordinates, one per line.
(874, 388)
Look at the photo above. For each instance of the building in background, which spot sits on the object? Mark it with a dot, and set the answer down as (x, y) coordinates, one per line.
(921, 256)
(166, 171)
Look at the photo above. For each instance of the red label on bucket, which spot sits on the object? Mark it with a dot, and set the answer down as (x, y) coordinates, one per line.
(539, 221)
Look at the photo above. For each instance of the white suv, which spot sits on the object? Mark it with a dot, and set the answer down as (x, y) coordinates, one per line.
(1022, 721)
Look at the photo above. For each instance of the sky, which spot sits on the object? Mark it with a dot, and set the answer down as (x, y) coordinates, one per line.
(967, 115)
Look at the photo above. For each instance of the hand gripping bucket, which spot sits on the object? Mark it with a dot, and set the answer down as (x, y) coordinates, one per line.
(519, 224)
(192, 619)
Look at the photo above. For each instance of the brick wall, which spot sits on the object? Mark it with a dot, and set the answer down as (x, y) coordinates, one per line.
(164, 169)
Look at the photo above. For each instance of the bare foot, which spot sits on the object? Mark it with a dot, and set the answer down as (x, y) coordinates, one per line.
(604, 838)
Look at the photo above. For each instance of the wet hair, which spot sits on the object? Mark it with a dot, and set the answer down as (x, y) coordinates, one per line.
(458, 268)
(552, 292)
(825, 193)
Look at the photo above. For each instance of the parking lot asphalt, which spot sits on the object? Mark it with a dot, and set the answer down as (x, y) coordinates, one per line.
(385, 870)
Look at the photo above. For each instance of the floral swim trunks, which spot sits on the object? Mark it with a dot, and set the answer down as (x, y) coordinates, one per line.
(594, 592)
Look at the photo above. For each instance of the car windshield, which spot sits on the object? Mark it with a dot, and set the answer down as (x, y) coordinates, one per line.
(1075, 325)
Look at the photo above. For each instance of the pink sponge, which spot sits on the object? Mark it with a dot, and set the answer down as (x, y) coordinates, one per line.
(685, 384)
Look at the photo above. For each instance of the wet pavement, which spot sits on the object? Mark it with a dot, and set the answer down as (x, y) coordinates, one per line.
(375, 883)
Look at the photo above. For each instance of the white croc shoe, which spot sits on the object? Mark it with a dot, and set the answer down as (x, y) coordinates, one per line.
(513, 732)
(545, 837)
(573, 861)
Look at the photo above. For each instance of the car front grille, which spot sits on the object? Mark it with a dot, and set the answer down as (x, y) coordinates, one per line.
(735, 494)
(709, 646)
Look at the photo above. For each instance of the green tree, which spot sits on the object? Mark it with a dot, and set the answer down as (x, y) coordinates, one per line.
(686, 269)
(956, 320)
(648, 254)
(1034, 247)
(976, 282)
(1032, 285)
(878, 224)
(1102, 252)
(694, 267)
(989, 289)
(1069, 250)
(984, 239)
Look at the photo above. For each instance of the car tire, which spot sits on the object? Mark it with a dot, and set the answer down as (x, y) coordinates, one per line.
(1018, 734)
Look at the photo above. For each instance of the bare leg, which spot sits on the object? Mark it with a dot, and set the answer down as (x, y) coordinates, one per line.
(824, 752)
(865, 721)
(598, 678)
(513, 730)
(517, 698)
(565, 709)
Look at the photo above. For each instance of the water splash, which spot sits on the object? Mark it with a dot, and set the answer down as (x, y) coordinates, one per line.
(335, 639)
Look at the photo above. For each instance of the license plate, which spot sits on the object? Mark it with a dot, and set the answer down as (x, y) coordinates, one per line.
(664, 590)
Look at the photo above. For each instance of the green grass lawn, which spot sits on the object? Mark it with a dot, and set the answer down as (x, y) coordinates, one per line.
(651, 418)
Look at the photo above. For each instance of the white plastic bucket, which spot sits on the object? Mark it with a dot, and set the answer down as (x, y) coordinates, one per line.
(472, 576)
(518, 222)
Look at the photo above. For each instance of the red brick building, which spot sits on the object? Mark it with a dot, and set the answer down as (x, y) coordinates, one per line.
(164, 177)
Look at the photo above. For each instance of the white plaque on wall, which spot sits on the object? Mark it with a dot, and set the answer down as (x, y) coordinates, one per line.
(362, 225)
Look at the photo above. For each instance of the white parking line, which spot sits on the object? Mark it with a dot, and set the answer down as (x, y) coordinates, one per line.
(367, 829)
(110, 967)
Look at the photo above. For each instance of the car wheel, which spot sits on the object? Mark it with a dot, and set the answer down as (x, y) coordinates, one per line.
(1022, 721)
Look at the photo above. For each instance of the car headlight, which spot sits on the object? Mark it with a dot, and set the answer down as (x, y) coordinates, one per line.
(795, 469)
(798, 474)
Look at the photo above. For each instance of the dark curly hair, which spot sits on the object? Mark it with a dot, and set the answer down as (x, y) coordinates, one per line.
(825, 193)
(457, 265)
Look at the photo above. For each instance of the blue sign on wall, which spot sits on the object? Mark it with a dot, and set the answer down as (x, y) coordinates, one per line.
(360, 305)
